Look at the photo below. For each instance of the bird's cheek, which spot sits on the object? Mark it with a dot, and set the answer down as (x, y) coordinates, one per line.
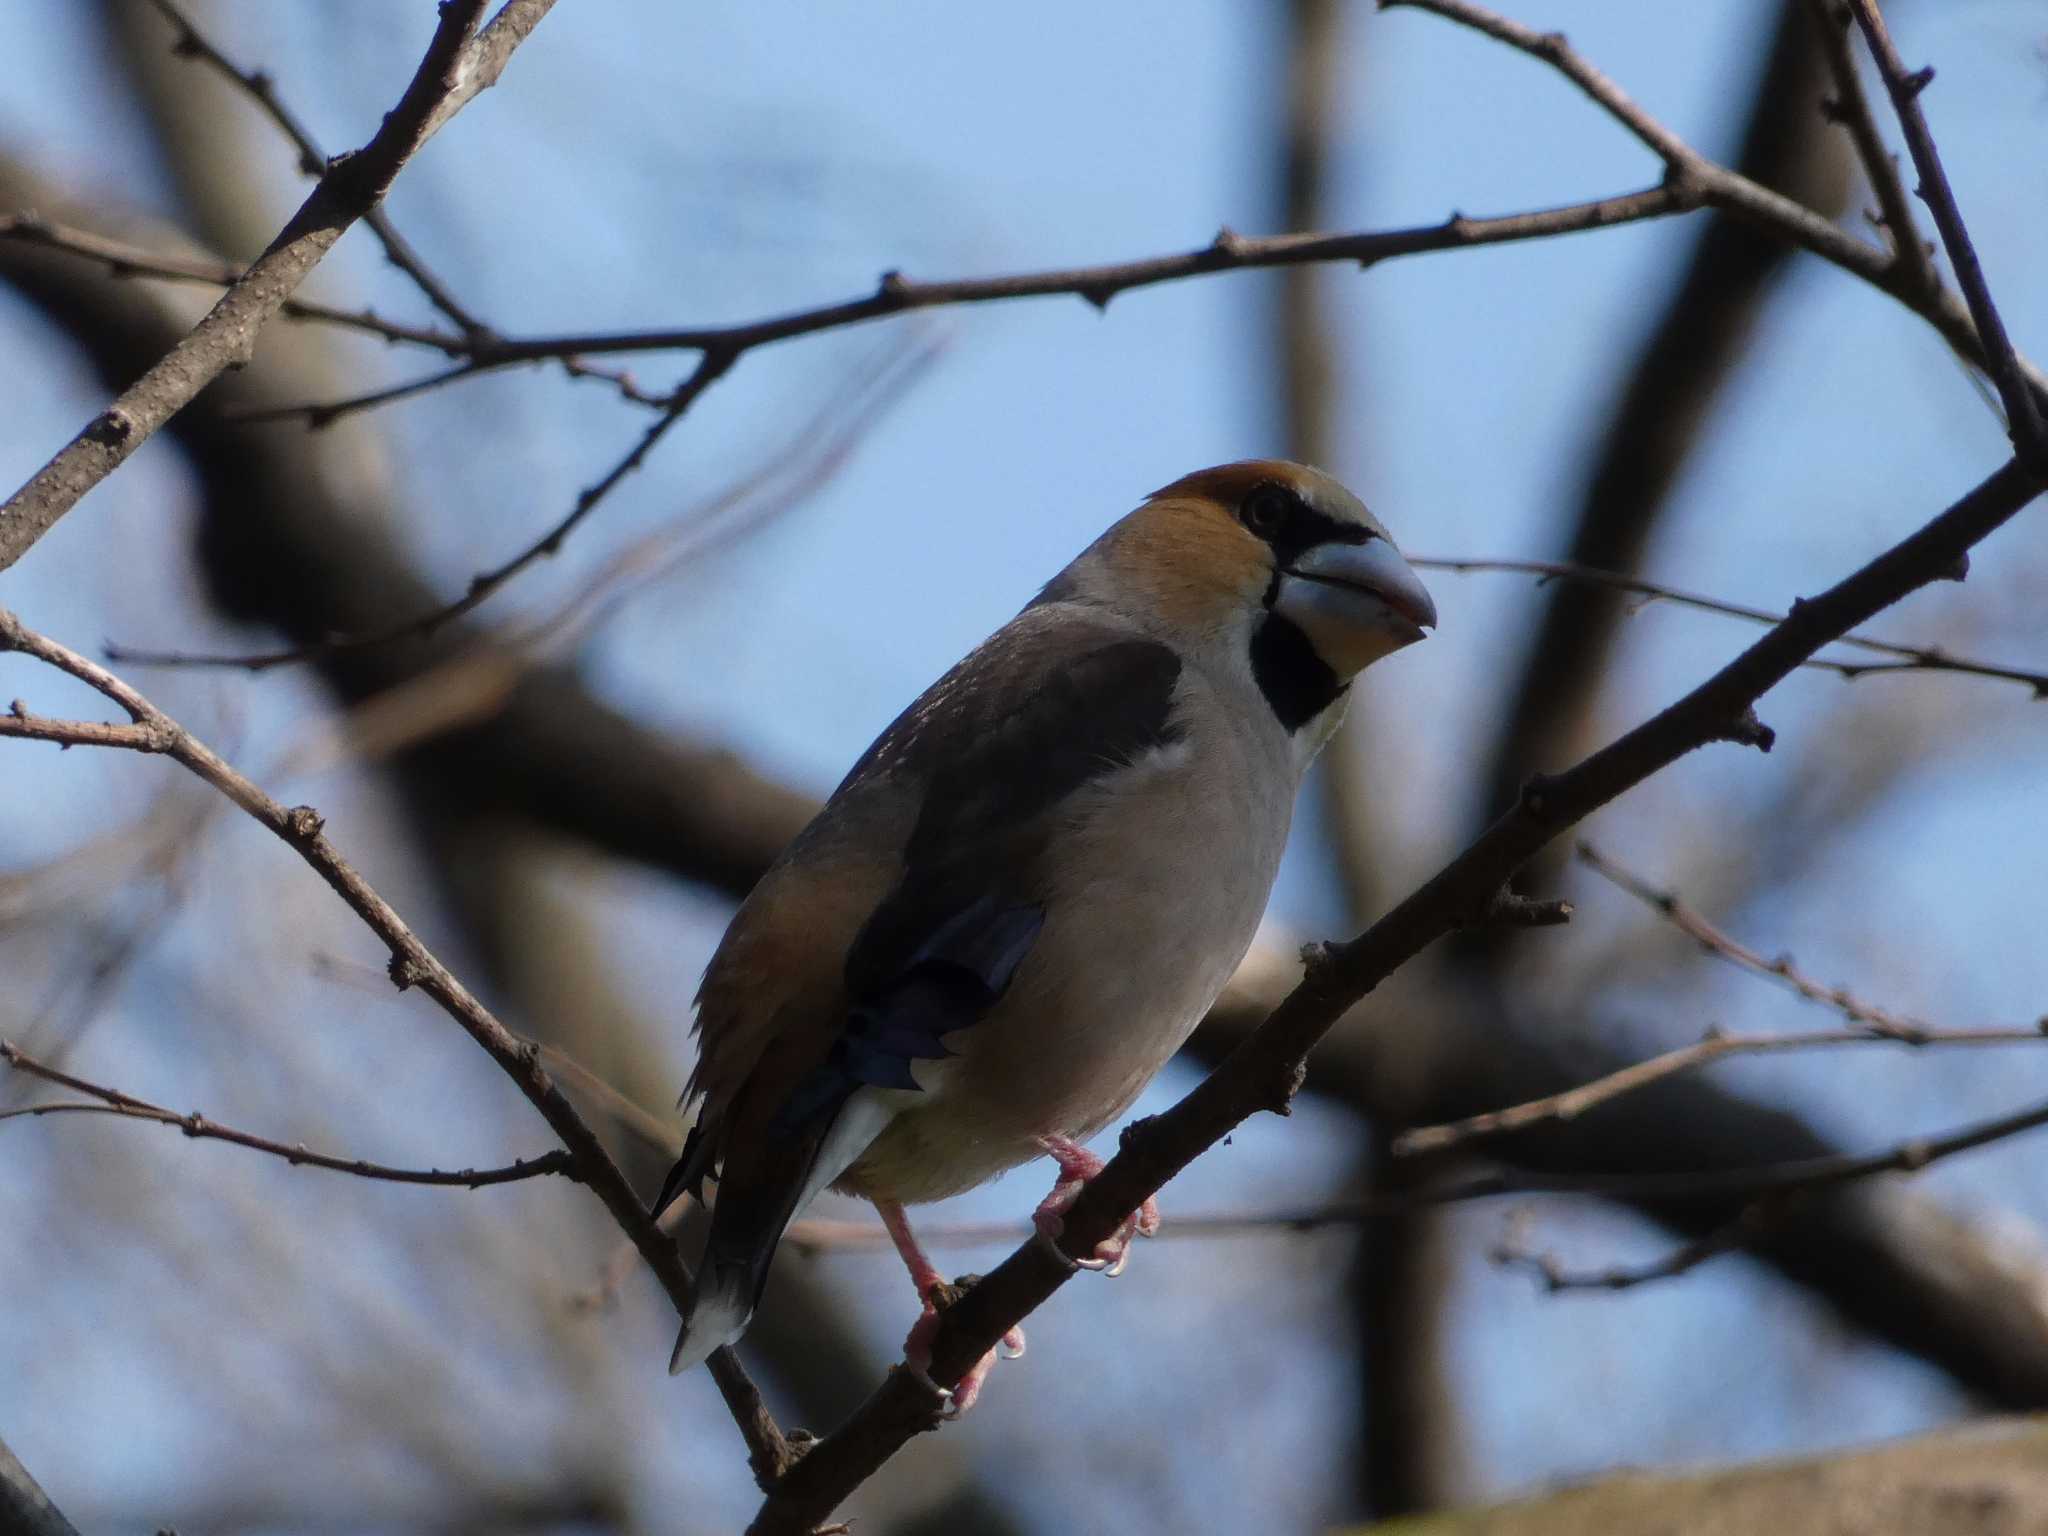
(1349, 628)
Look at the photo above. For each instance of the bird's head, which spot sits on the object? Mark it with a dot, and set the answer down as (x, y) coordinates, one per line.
(1247, 552)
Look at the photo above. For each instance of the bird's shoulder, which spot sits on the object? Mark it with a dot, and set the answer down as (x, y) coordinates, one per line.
(1060, 689)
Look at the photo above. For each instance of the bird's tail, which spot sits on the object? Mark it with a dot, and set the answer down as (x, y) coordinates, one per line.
(719, 1313)
(759, 1196)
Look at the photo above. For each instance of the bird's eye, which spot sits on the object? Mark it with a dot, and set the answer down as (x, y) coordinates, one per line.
(1266, 510)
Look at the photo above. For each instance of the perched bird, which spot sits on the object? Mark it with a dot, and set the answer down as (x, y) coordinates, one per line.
(1030, 889)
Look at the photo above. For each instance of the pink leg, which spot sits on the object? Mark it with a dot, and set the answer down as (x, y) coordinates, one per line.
(1077, 1166)
(917, 1348)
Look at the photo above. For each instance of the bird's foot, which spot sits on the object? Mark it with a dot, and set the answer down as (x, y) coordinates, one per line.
(917, 1350)
(1077, 1166)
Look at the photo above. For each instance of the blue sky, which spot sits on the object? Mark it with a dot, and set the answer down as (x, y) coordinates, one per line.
(659, 164)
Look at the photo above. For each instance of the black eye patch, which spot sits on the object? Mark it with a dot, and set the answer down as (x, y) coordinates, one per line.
(1278, 514)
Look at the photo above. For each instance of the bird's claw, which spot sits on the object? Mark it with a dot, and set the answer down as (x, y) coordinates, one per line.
(1077, 1166)
(961, 1396)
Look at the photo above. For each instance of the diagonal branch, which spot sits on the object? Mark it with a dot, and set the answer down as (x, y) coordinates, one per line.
(1850, 107)
(260, 88)
(350, 187)
(2015, 389)
(1881, 1023)
(412, 965)
(1264, 1072)
(24, 1508)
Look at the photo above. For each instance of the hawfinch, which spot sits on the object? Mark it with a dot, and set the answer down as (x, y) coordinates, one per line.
(1031, 888)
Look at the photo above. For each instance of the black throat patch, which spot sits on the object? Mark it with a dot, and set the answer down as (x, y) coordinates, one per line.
(1297, 682)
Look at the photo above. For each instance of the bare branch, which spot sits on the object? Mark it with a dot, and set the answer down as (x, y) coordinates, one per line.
(1719, 187)
(227, 335)
(2015, 388)
(261, 89)
(1756, 1219)
(122, 259)
(1512, 1252)
(1908, 658)
(806, 461)
(112, 1101)
(414, 965)
(1851, 108)
(1876, 1021)
(1711, 1047)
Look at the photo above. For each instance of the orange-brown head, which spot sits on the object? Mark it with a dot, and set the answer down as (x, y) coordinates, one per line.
(1263, 552)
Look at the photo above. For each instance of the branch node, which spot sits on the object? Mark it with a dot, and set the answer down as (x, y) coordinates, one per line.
(1535, 799)
(1288, 1078)
(1509, 909)
(112, 427)
(303, 824)
(405, 972)
(1228, 244)
(1919, 80)
(1746, 730)
(894, 288)
(1316, 958)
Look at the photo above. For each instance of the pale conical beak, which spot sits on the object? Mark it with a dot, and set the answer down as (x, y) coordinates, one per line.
(1374, 572)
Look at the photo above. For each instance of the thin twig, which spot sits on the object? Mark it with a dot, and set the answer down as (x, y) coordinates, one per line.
(226, 337)
(1513, 1252)
(262, 89)
(1908, 658)
(1711, 1047)
(1850, 107)
(1719, 187)
(1879, 1022)
(122, 259)
(112, 1101)
(1755, 1220)
(806, 462)
(412, 965)
(318, 415)
(2015, 388)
